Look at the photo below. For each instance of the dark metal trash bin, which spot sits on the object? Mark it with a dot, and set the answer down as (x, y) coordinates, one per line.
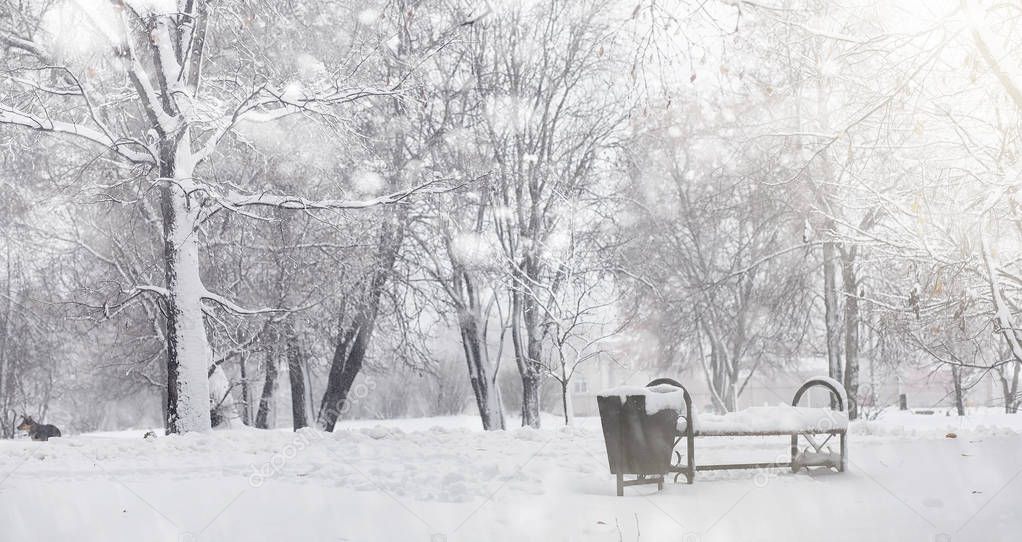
(637, 443)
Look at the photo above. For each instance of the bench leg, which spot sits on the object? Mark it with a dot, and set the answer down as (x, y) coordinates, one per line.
(794, 453)
(691, 474)
(842, 463)
(844, 454)
(688, 468)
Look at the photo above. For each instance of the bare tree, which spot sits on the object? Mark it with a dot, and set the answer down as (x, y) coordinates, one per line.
(545, 129)
(169, 130)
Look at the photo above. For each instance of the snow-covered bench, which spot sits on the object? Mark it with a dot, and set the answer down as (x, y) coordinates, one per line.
(816, 426)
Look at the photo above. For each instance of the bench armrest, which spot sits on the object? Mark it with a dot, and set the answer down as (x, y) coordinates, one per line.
(835, 388)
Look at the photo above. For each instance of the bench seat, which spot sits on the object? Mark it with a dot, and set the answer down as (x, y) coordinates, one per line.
(768, 420)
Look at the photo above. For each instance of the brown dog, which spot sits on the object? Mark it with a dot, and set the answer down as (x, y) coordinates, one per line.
(38, 431)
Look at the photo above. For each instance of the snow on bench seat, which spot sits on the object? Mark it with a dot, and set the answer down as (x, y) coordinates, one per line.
(769, 420)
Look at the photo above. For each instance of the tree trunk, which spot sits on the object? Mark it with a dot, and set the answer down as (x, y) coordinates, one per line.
(1013, 390)
(566, 402)
(245, 403)
(484, 384)
(165, 402)
(530, 401)
(531, 408)
(4, 364)
(345, 366)
(667, 340)
(831, 307)
(354, 341)
(1009, 389)
(732, 388)
(269, 385)
(716, 373)
(1002, 315)
(851, 369)
(472, 325)
(526, 357)
(825, 198)
(956, 377)
(719, 383)
(188, 352)
(294, 371)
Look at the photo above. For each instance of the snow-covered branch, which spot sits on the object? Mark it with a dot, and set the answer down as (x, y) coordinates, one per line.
(277, 105)
(235, 199)
(125, 148)
(28, 46)
(234, 307)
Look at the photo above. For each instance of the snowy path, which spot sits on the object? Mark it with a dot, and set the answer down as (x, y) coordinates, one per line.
(453, 483)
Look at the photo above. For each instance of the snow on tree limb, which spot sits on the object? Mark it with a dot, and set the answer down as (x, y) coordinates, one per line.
(9, 115)
(28, 46)
(234, 199)
(158, 290)
(278, 106)
(234, 307)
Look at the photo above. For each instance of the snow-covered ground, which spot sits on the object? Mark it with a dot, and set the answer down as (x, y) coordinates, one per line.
(443, 479)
